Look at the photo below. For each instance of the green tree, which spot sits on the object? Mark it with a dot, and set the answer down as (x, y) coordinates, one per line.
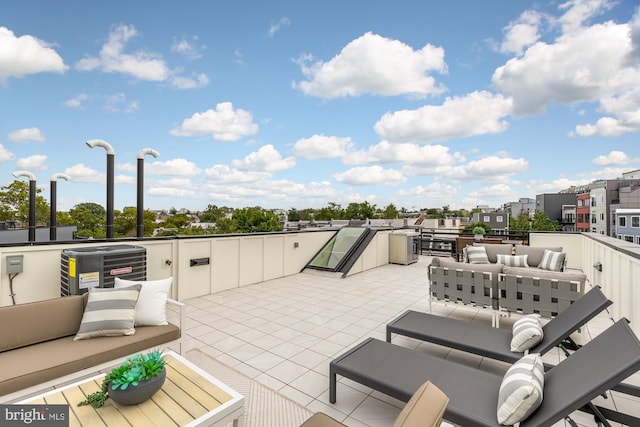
(125, 222)
(252, 220)
(90, 218)
(14, 203)
(214, 214)
(359, 211)
(329, 212)
(390, 212)
(294, 215)
(541, 222)
(521, 223)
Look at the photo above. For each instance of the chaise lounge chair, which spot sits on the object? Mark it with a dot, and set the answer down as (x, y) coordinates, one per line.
(493, 342)
(473, 394)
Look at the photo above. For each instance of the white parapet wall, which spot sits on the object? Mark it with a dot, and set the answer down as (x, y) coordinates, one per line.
(225, 262)
(610, 263)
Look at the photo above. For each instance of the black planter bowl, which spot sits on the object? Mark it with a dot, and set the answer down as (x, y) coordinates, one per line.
(133, 395)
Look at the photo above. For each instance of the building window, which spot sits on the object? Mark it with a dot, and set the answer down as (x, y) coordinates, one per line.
(593, 219)
(579, 203)
(601, 217)
(499, 218)
(580, 217)
(486, 219)
(635, 221)
(593, 201)
(622, 221)
(628, 239)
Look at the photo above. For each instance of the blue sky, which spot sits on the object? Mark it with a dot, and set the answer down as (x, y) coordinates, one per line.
(290, 103)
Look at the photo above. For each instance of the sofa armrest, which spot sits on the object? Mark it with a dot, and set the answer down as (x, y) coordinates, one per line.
(181, 317)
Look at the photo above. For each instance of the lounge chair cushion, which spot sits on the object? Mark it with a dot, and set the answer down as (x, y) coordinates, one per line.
(513, 260)
(151, 308)
(425, 408)
(109, 312)
(476, 255)
(552, 260)
(526, 332)
(521, 390)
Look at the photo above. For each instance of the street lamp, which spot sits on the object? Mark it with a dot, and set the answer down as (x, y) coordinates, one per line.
(140, 207)
(32, 202)
(52, 217)
(110, 171)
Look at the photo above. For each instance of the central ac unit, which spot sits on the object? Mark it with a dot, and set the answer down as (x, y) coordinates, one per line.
(98, 266)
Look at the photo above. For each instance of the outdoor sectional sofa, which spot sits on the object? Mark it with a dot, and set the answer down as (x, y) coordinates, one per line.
(37, 342)
(485, 282)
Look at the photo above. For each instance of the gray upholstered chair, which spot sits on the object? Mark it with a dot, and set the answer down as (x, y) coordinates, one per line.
(425, 408)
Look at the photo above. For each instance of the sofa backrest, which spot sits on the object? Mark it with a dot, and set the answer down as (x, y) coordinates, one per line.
(31, 323)
(494, 249)
(535, 253)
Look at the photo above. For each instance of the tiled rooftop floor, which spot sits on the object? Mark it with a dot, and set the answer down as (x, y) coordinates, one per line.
(284, 332)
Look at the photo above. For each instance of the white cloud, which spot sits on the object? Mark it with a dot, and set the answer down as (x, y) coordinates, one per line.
(432, 192)
(370, 175)
(32, 163)
(194, 82)
(77, 101)
(223, 173)
(487, 169)
(118, 103)
(625, 109)
(5, 155)
(173, 167)
(277, 26)
(83, 173)
(266, 159)
(187, 48)
(613, 158)
(406, 154)
(141, 64)
(173, 192)
(522, 33)
(477, 113)
(223, 124)
(553, 186)
(26, 135)
(322, 147)
(582, 64)
(20, 56)
(377, 65)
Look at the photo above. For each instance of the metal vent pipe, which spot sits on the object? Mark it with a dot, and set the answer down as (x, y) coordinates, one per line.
(140, 201)
(110, 173)
(53, 224)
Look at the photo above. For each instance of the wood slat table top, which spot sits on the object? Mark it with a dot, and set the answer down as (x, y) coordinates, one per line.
(188, 396)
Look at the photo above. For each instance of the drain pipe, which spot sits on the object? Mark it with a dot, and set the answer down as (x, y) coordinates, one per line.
(110, 172)
(140, 205)
(32, 202)
(54, 196)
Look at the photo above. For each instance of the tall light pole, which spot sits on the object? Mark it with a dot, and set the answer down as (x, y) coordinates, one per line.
(110, 171)
(54, 196)
(140, 206)
(32, 202)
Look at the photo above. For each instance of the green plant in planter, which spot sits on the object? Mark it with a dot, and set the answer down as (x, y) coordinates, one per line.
(479, 230)
(134, 369)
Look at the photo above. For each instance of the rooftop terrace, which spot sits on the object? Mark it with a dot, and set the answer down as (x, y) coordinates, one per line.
(284, 332)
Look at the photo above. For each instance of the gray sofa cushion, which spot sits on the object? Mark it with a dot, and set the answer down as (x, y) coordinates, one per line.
(535, 253)
(576, 276)
(494, 249)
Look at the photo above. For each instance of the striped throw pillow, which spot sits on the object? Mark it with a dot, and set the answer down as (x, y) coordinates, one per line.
(552, 260)
(109, 312)
(526, 333)
(477, 255)
(512, 260)
(521, 390)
